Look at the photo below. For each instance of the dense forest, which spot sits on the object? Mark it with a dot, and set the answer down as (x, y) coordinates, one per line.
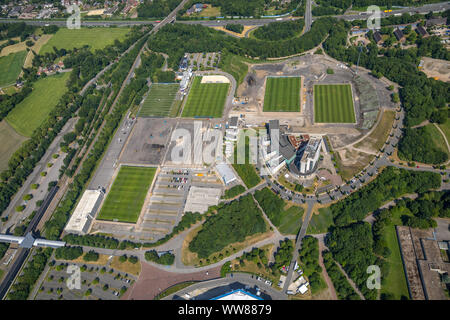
(165, 259)
(12, 30)
(421, 97)
(276, 31)
(232, 223)
(417, 145)
(351, 246)
(309, 257)
(156, 8)
(390, 184)
(177, 39)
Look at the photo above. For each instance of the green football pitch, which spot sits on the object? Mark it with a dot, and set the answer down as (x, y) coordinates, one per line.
(127, 195)
(159, 101)
(282, 94)
(333, 103)
(205, 99)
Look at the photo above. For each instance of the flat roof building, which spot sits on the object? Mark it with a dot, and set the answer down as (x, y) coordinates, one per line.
(226, 173)
(200, 199)
(239, 295)
(310, 156)
(85, 212)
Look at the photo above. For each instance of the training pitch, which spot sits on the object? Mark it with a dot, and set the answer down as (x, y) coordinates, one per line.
(282, 94)
(205, 99)
(159, 101)
(333, 103)
(126, 197)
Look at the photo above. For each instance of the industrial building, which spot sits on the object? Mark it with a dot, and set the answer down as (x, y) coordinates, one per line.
(85, 212)
(226, 173)
(200, 199)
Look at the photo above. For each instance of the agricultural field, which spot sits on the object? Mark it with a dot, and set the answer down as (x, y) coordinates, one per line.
(34, 109)
(333, 103)
(11, 141)
(11, 66)
(282, 94)
(205, 99)
(95, 38)
(159, 101)
(126, 197)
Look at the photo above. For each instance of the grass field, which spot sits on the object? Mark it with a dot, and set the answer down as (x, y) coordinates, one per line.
(446, 128)
(333, 103)
(205, 100)
(29, 114)
(159, 101)
(437, 138)
(235, 66)
(10, 67)
(95, 38)
(291, 220)
(127, 194)
(282, 94)
(320, 223)
(11, 141)
(246, 170)
(395, 281)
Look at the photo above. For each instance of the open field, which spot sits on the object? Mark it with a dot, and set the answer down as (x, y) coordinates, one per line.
(282, 94)
(205, 99)
(126, 197)
(395, 282)
(10, 67)
(333, 103)
(446, 128)
(209, 11)
(246, 171)
(437, 138)
(376, 139)
(320, 222)
(11, 141)
(29, 114)
(127, 267)
(291, 220)
(36, 48)
(159, 101)
(95, 38)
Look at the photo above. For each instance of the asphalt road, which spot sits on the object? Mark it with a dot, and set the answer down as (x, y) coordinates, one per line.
(442, 6)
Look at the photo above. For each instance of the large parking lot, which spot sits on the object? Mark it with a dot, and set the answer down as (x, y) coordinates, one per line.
(100, 282)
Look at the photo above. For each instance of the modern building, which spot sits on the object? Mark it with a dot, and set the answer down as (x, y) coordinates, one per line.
(85, 212)
(239, 294)
(30, 241)
(226, 173)
(310, 156)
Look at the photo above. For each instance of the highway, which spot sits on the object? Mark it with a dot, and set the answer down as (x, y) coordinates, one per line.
(442, 6)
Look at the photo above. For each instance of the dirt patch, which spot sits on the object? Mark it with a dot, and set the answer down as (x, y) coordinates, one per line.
(351, 161)
(436, 68)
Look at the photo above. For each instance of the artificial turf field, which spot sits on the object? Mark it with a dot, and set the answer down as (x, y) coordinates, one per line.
(159, 101)
(333, 103)
(282, 94)
(205, 99)
(10, 67)
(95, 38)
(126, 197)
(34, 109)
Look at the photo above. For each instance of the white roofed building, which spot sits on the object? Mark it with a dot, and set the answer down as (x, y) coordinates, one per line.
(85, 212)
(226, 174)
